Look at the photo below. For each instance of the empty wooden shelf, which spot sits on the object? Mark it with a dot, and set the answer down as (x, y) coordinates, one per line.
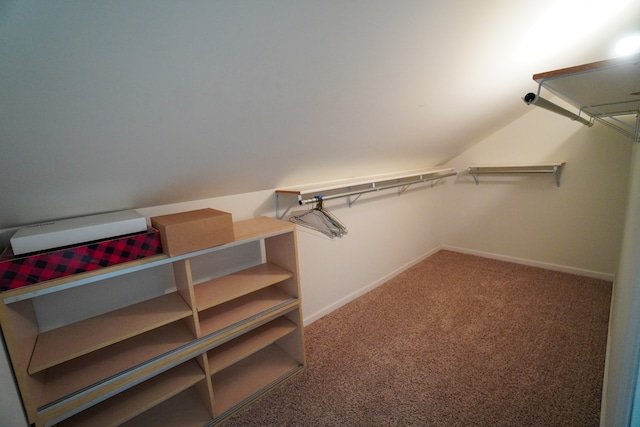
(514, 169)
(353, 188)
(74, 340)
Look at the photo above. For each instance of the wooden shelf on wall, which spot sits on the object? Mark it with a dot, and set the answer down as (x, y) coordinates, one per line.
(604, 91)
(353, 188)
(515, 169)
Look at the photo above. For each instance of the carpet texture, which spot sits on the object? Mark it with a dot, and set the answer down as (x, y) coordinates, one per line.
(456, 340)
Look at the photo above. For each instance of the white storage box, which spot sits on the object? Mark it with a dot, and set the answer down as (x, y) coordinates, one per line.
(55, 234)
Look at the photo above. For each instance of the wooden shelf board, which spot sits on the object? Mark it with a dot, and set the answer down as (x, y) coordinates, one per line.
(68, 342)
(358, 181)
(593, 66)
(247, 377)
(130, 403)
(260, 227)
(227, 288)
(609, 86)
(63, 380)
(239, 309)
(185, 410)
(233, 351)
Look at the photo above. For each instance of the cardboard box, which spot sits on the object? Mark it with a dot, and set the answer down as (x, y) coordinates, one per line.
(73, 231)
(194, 230)
(19, 271)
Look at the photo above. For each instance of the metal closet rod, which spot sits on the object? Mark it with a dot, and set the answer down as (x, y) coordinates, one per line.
(370, 190)
(532, 98)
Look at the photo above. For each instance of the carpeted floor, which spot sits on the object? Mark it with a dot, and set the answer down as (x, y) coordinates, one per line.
(456, 340)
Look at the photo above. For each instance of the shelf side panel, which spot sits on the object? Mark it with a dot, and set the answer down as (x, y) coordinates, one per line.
(204, 388)
(282, 250)
(184, 285)
(293, 343)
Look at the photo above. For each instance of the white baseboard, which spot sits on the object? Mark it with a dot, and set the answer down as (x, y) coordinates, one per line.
(350, 297)
(548, 266)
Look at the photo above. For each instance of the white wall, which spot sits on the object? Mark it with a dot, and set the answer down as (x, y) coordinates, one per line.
(386, 234)
(624, 325)
(109, 105)
(576, 227)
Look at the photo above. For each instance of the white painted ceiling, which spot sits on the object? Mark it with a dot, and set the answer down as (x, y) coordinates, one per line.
(124, 104)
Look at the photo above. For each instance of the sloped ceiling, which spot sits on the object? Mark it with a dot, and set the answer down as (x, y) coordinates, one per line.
(122, 104)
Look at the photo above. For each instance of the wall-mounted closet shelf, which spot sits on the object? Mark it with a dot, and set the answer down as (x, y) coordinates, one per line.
(606, 91)
(353, 188)
(514, 169)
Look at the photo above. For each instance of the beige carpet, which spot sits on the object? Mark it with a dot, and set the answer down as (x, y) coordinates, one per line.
(456, 340)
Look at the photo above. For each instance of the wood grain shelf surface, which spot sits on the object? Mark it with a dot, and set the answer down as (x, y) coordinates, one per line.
(226, 288)
(68, 342)
(239, 309)
(90, 370)
(233, 351)
(185, 410)
(256, 372)
(130, 403)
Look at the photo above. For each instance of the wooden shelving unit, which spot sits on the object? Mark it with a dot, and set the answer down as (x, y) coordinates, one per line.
(190, 357)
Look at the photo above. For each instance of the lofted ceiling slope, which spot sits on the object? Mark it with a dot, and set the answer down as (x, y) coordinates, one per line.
(116, 105)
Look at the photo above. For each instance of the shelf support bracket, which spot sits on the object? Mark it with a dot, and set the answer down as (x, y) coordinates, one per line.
(351, 201)
(280, 216)
(436, 181)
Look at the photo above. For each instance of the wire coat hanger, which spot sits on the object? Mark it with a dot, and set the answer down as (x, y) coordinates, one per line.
(320, 219)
